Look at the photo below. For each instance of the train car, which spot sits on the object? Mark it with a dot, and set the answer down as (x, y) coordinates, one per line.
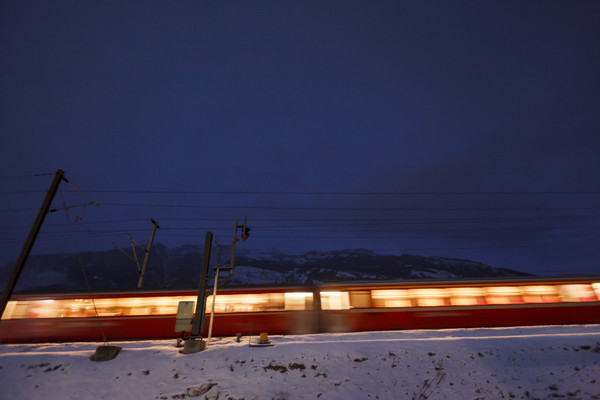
(460, 304)
(335, 307)
(151, 314)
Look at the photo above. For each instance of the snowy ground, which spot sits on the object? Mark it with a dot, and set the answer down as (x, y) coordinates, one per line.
(522, 363)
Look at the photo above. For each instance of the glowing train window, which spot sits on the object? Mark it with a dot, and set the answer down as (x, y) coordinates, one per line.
(105, 307)
(467, 296)
(29, 309)
(504, 295)
(335, 301)
(429, 297)
(360, 299)
(298, 301)
(11, 310)
(227, 303)
(540, 294)
(390, 298)
(159, 305)
(577, 292)
(596, 287)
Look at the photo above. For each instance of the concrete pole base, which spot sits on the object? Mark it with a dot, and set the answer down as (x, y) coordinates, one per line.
(193, 346)
(105, 353)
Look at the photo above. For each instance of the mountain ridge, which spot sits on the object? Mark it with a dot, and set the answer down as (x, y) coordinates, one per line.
(179, 267)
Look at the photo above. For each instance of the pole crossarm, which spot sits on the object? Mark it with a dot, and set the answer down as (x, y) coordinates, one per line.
(92, 202)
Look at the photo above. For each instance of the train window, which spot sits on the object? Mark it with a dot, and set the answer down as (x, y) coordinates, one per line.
(391, 298)
(227, 303)
(13, 310)
(596, 287)
(577, 292)
(76, 308)
(360, 299)
(298, 301)
(467, 296)
(108, 307)
(335, 301)
(16, 310)
(540, 294)
(28, 309)
(430, 297)
(503, 295)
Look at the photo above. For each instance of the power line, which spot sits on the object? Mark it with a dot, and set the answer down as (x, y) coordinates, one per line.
(26, 176)
(336, 193)
(322, 231)
(343, 193)
(271, 207)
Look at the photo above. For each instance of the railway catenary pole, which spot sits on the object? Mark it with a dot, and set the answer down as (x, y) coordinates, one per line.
(198, 321)
(35, 229)
(147, 253)
(212, 311)
(244, 236)
(191, 344)
(194, 342)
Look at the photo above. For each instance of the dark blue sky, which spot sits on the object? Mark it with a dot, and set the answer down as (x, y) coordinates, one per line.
(460, 129)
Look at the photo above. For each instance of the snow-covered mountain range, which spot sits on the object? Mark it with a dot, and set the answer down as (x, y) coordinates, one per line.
(180, 266)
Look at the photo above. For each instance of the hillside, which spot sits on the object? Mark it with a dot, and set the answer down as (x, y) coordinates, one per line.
(179, 267)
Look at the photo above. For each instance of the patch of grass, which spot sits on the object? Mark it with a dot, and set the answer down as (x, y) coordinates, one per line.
(293, 366)
(281, 368)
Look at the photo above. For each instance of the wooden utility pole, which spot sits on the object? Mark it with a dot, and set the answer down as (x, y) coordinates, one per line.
(35, 229)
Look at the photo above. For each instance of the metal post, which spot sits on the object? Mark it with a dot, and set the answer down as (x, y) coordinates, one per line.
(135, 257)
(147, 256)
(212, 310)
(198, 321)
(235, 239)
(35, 229)
(232, 261)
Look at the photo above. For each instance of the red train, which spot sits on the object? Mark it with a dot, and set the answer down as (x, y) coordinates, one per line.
(343, 307)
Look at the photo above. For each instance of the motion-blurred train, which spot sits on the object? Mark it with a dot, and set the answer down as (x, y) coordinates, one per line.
(342, 307)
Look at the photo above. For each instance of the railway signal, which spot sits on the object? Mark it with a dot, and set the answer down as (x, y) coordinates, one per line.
(194, 342)
(245, 232)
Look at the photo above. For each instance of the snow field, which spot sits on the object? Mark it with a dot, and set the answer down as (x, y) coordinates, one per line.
(520, 363)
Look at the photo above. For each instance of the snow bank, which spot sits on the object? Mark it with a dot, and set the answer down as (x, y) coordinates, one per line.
(522, 363)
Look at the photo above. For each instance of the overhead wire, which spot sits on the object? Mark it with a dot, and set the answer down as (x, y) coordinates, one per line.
(351, 221)
(83, 271)
(346, 193)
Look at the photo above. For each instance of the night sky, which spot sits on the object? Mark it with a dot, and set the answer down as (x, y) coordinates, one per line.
(467, 129)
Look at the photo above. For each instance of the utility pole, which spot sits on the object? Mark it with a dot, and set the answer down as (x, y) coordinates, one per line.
(192, 344)
(198, 323)
(214, 295)
(244, 235)
(35, 229)
(147, 255)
